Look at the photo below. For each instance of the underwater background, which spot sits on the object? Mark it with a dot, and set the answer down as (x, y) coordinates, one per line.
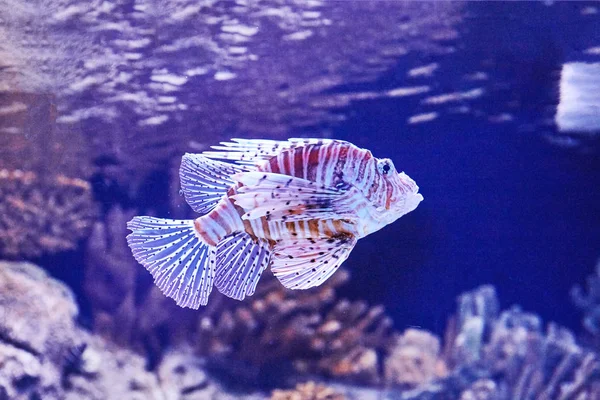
(490, 289)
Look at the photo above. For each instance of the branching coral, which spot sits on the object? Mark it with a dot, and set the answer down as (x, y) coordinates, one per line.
(510, 356)
(351, 340)
(532, 363)
(110, 277)
(490, 355)
(42, 215)
(306, 327)
(308, 391)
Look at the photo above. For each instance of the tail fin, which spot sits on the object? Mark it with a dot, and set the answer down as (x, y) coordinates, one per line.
(182, 265)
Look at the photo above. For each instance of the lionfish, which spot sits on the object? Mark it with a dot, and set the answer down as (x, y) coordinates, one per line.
(298, 205)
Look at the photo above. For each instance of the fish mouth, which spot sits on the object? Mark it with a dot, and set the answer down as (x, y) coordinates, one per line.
(412, 201)
(413, 197)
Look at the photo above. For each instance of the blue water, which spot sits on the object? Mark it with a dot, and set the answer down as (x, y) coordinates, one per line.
(500, 208)
(502, 205)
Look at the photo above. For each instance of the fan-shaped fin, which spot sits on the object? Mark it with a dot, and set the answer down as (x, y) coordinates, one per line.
(241, 261)
(282, 197)
(305, 263)
(182, 266)
(204, 181)
(253, 151)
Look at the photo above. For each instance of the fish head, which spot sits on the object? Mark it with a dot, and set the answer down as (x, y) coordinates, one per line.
(398, 193)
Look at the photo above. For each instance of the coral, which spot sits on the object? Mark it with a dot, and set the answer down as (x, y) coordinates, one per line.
(110, 277)
(46, 201)
(36, 312)
(184, 375)
(350, 338)
(415, 359)
(509, 355)
(45, 355)
(308, 328)
(308, 391)
(117, 374)
(110, 271)
(490, 355)
(482, 389)
(42, 214)
(548, 366)
(477, 311)
(589, 303)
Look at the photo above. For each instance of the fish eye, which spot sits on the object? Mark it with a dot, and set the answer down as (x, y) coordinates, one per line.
(384, 166)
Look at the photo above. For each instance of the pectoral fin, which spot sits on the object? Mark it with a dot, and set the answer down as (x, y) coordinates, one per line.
(305, 263)
(255, 151)
(282, 197)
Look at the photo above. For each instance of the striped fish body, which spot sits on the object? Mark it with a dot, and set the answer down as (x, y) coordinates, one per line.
(228, 218)
(298, 206)
(333, 164)
(329, 164)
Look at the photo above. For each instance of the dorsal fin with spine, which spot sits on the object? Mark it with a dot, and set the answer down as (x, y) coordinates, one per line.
(204, 181)
(254, 151)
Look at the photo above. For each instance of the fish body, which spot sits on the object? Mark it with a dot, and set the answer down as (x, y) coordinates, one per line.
(298, 206)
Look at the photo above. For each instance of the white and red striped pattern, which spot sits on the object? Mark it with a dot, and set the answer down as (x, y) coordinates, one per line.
(326, 162)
